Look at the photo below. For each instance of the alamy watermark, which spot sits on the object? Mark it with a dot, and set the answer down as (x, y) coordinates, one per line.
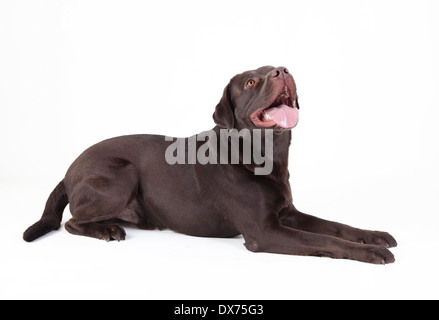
(244, 145)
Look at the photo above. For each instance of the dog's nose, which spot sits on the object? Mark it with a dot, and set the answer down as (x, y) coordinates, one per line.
(280, 73)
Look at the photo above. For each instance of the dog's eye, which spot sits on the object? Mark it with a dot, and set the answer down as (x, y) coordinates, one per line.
(250, 83)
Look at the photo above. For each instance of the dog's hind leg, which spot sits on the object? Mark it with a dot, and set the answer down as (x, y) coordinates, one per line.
(98, 197)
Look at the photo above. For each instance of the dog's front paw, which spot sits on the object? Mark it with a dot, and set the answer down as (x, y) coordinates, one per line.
(377, 238)
(376, 255)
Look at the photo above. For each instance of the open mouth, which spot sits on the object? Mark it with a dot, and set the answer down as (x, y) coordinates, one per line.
(283, 112)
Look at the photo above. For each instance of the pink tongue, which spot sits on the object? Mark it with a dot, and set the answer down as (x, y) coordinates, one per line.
(284, 116)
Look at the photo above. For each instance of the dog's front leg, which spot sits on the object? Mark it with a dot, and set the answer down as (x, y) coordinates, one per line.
(276, 238)
(293, 218)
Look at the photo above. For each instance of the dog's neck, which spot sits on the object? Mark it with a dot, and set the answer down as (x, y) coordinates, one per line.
(281, 144)
(278, 144)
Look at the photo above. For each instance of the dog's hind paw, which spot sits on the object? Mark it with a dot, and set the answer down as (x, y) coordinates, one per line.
(111, 232)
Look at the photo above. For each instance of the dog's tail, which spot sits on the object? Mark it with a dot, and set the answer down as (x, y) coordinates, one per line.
(52, 215)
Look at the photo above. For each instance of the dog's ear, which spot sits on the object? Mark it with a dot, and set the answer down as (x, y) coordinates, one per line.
(224, 113)
(297, 102)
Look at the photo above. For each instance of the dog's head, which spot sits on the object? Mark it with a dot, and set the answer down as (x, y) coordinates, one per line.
(261, 98)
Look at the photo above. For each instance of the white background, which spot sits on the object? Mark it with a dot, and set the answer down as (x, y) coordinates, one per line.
(365, 152)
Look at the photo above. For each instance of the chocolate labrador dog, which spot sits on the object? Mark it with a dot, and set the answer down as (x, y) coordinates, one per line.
(138, 179)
